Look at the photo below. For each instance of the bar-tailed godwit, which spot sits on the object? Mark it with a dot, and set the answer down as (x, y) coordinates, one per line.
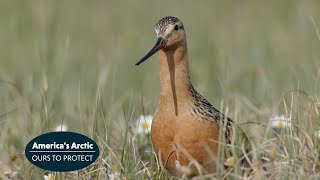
(186, 126)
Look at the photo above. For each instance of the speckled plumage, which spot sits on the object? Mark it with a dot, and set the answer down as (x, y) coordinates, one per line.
(201, 107)
(164, 22)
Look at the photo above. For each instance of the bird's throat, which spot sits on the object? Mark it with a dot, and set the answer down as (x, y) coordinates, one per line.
(174, 78)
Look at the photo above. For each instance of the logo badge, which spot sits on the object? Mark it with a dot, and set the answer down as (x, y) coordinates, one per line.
(62, 151)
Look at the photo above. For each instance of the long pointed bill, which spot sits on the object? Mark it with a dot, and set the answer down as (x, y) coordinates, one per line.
(159, 44)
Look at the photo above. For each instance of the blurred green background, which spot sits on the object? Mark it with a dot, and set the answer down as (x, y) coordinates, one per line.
(72, 62)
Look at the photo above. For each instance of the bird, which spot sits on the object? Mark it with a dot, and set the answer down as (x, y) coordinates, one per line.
(186, 127)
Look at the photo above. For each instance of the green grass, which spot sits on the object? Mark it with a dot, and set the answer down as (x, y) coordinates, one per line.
(72, 62)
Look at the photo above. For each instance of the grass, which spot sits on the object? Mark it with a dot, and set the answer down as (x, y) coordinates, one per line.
(72, 62)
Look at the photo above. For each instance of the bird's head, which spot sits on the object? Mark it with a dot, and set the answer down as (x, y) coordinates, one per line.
(170, 34)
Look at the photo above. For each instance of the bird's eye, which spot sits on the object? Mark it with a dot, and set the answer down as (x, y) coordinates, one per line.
(176, 27)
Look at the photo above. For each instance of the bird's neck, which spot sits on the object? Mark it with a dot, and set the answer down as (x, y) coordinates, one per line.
(174, 78)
